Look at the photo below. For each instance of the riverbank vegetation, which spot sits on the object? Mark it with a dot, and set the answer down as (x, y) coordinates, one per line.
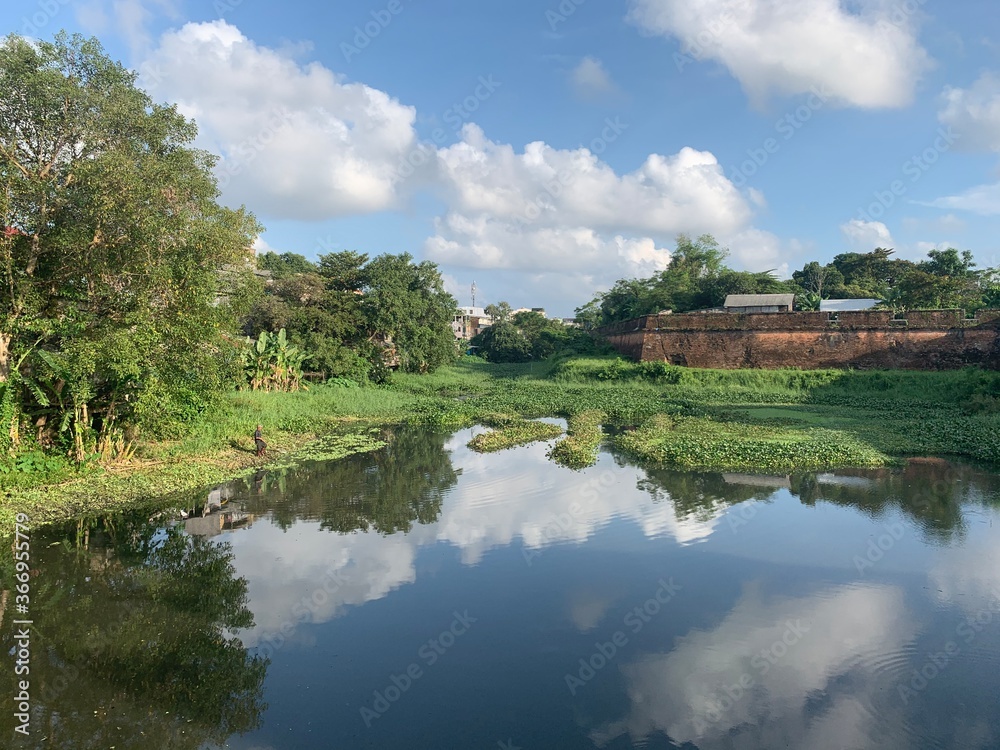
(141, 338)
(743, 420)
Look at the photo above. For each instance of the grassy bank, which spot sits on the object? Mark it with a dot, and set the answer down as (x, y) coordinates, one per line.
(746, 420)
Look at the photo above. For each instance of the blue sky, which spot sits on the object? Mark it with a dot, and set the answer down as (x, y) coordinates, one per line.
(545, 149)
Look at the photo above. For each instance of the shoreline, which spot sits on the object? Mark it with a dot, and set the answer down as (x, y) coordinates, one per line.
(697, 420)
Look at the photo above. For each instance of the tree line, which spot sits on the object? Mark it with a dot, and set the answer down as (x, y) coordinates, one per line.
(698, 279)
(129, 293)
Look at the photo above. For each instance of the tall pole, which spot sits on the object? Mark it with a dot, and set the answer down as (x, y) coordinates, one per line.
(473, 293)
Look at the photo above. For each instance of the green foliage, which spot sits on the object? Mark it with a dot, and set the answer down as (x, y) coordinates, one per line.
(357, 318)
(272, 364)
(284, 265)
(503, 343)
(510, 431)
(530, 336)
(119, 260)
(578, 449)
(703, 443)
(696, 278)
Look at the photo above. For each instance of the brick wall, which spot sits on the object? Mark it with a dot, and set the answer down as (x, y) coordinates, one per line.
(930, 340)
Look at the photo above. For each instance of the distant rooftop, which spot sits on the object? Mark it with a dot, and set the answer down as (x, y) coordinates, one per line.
(760, 300)
(847, 305)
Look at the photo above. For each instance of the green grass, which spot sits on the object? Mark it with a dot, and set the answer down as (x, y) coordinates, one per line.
(510, 431)
(703, 443)
(578, 449)
(751, 420)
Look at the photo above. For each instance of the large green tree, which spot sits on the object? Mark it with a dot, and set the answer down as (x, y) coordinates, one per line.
(112, 251)
(696, 278)
(353, 315)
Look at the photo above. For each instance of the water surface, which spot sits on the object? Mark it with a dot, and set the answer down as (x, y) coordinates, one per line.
(429, 597)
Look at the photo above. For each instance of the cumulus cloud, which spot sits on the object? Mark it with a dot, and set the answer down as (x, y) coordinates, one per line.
(528, 503)
(548, 209)
(591, 79)
(865, 236)
(869, 58)
(816, 645)
(297, 141)
(974, 113)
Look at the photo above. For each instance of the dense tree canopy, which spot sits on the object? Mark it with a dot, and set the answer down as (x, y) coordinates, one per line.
(527, 336)
(697, 278)
(354, 316)
(111, 254)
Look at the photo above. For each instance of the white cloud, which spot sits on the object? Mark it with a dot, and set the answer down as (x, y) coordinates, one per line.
(501, 498)
(591, 79)
(297, 140)
(865, 236)
(681, 693)
(867, 59)
(946, 223)
(548, 209)
(974, 113)
(261, 247)
(981, 199)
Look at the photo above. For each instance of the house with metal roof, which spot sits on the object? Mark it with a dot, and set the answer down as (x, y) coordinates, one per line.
(759, 303)
(847, 305)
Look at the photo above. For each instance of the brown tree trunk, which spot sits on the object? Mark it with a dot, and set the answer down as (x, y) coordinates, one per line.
(4, 356)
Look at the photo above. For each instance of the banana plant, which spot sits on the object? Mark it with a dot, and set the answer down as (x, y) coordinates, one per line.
(271, 363)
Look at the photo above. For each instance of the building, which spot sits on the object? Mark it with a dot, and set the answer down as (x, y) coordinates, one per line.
(539, 310)
(469, 322)
(759, 303)
(847, 305)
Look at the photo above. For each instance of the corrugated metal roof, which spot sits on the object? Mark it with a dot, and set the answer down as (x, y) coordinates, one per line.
(760, 300)
(847, 305)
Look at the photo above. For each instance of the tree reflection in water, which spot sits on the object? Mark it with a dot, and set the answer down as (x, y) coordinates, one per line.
(386, 491)
(131, 644)
(931, 492)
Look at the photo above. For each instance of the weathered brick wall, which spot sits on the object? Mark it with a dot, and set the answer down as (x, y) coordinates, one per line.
(934, 318)
(629, 343)
(932, 340)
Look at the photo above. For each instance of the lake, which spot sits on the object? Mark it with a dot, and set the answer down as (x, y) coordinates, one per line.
(425, 596)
